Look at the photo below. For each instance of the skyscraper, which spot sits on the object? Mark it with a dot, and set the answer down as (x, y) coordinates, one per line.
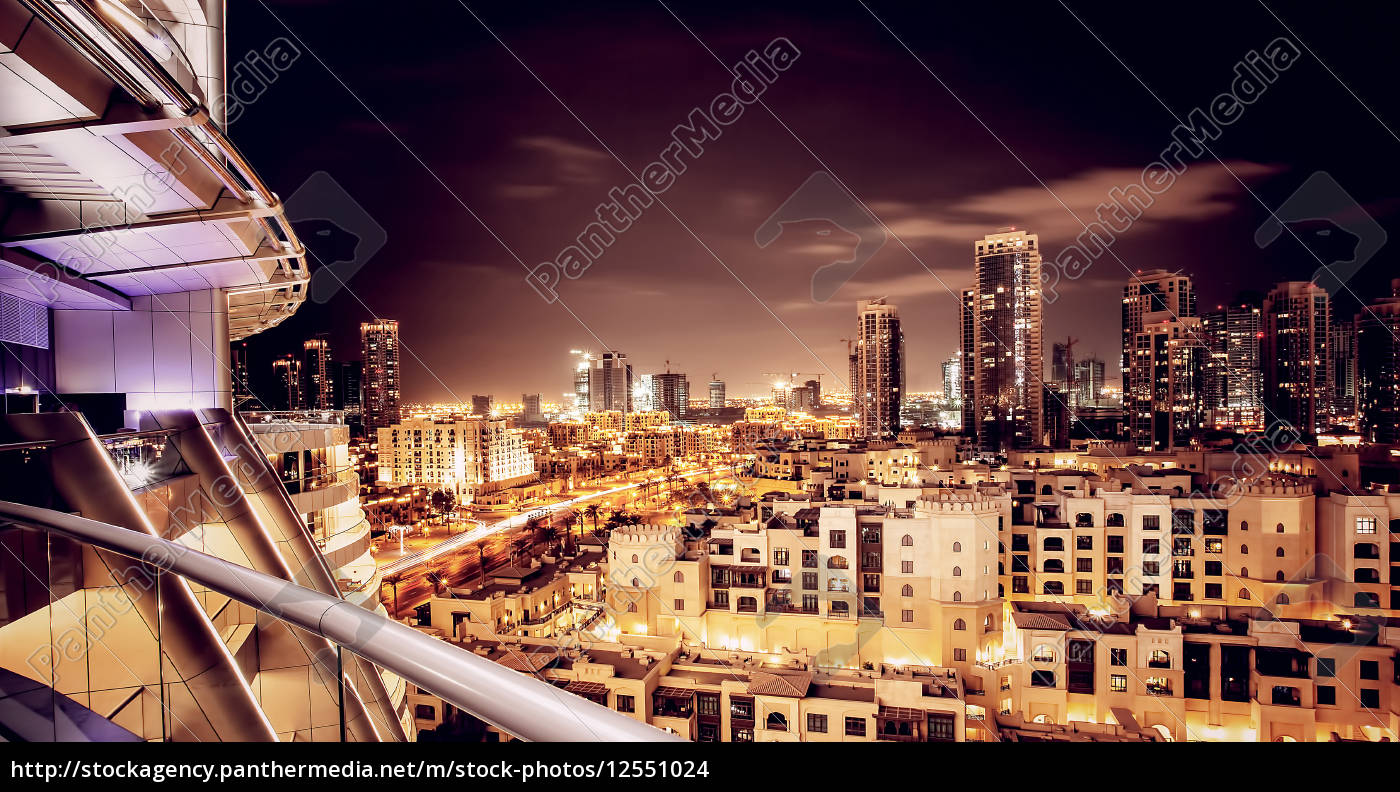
(316, 369)
(1163, 379)
(581, 376)
(242, 387)
(379, 385)
(670, 392)
(347, 387)
(967, 360)
(1378, 368)
(879, 370)
(287, 374)
(1162, 359)
(530, 408)
(1088, 380)
(1231, 377)
(1155, 292)
(952, 378)
(716, 393)
(610, 383)
(1344, 366)
(1297, 360)
(483, 405)
(1002, 334)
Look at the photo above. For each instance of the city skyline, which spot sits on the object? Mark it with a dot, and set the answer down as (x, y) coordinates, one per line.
(546, 173)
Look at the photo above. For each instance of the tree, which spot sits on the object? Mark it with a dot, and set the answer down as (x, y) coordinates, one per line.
(520, 547)
(443, 500)
(550, 535)
(592, 511)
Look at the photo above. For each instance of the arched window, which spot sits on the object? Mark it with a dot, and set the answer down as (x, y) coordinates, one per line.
(1046, 490)
(634, 558)
(1054, 565)
(1366, 599)
(1054, 587)
(1280, 528)
(989, 624)
(906, 541)
(631, 607)
(907, 591)
(1279, 576)
(1367, 575)
(1279, 552)
(1244, 525)
(1244, 571)
(957, 547)
(777, 721)
(1244, 594)
(1053, 544)
(957, 571)
(679, 577)
(959, 625)
(636, 583)
(1282, 599)
(957, 596)
(1159, 658)
(1114, 520)
(836, 562)
(1244, 549)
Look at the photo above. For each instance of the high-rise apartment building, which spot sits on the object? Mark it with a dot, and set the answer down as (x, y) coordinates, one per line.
(610, 383)
(716, 394)
(1147, 297)
(670, 393)
(347, 387)
(967, 359)
(379, 383)
(1162, 397)
(1003, 320)
(1232, 374)
(1378, 368)
(1297, 356)
(1088, 380)
(879, 368)
(1344, 368)
(317, 371)
(287, 376)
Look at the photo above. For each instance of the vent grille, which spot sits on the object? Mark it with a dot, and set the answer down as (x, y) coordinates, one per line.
(23, 322)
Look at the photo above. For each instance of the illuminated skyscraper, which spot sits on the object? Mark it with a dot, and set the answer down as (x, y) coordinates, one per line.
(1164, 378)
(1297, 360)
(610, 383)
(670, 392)
(379, 384)
(1004, 320)
(1147, 297)
(1378, 368)
(287, 374)
(879, 368)
(716, 394)
(1231, 377)
(316, 369)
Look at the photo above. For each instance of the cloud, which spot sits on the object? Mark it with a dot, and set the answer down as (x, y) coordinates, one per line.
(527, 191)
(1058, 210)
(572, 163)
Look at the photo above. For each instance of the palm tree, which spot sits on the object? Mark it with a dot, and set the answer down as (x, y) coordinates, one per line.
(592, 511)
(393, 581)
(550, 535)
(521, 545)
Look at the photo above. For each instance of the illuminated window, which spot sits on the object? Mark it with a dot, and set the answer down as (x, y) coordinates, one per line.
(1118, 683)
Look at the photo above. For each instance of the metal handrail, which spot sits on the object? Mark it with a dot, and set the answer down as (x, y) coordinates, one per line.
(523, 706)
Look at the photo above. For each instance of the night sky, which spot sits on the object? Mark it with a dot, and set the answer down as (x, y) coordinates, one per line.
(471, 131)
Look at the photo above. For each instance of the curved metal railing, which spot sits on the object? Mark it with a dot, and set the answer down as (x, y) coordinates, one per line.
(524, 706)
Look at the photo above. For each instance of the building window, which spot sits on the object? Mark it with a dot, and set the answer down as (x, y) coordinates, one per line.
(780, 556)
(1365, 525)
(1326, 667)
(959, 625)
(626, 703)
(1083, 586)
(1370, 669)
(1370, 698)
(1118, 683)
(680, 604)
(1151, 522)
(679, 577)
(1327, 695)
(1084, 564)
(424, 712)
(1084, 543)
(906, 615)
(816, 723)
(809, 559)
(836, 562)
(631, 607)
(957, 571)
(906, 591)
(906, 567)
(838, 539)
(960, 655)
(906, 541)
(855, 727)
(1118, 657)
(809, 580)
